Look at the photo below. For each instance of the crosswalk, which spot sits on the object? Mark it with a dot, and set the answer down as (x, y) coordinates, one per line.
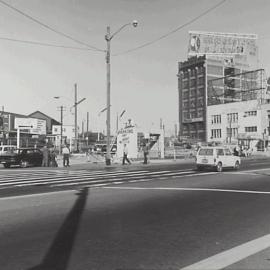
(69, 178)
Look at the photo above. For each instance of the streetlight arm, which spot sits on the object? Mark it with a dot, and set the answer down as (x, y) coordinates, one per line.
(120, 29)
(77, 103)
(83, 99)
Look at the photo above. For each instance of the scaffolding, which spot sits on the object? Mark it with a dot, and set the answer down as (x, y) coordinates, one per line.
(249, 85)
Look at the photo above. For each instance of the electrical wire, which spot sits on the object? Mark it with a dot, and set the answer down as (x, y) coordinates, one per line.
(44, 44)
(50, 28)
(174, 30)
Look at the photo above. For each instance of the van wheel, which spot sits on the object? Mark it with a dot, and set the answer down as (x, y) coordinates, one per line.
(6, 165)
(219, 167)
(23, 164)
(199, 168)
(237, 165)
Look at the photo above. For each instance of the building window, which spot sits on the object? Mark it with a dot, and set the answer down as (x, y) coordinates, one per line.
(251, 129)
(192, 103)
(185, 115)
(185, 84)
(192, 93)
(216, 119)
(201, 81)
(185, 95)
(185, 104)
(200, 102)
(200, 113)
(201, 91)
(232, 132)
(215, 133)
(251, 113)
(232, 117)
(192, 83)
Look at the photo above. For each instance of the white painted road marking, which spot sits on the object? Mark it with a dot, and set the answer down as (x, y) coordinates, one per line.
(231, 256)
(194, 189)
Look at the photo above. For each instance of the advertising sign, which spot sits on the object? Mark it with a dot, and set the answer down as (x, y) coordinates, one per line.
(128, 136)
(222, 43)
(33, 125)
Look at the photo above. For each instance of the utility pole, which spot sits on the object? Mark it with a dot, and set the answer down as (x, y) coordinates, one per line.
(83, 128)
(87, 123)
(76, 119)
(76, 103)
(61, 128)
(108, 38)
(108, 62)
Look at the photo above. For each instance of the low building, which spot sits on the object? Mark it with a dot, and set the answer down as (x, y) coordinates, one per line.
(245, 123)
(68, 135)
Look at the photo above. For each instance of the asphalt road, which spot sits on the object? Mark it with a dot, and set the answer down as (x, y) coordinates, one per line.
(142, 217)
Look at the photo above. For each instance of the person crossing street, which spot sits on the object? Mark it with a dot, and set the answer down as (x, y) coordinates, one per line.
(125, 155)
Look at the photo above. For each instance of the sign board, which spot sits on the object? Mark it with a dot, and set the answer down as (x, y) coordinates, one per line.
(33, 125)
(222, 43)
(128, 136)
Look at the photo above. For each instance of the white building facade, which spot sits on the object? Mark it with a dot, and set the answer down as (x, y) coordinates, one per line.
(245, 122)
(68, 135)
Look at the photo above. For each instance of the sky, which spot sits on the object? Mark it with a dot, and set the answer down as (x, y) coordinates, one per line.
(143, 81)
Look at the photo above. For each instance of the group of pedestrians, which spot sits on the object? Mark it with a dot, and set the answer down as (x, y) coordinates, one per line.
(49, 156)
(145, 150)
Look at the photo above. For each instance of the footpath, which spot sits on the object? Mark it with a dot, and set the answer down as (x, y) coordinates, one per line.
(98, 161)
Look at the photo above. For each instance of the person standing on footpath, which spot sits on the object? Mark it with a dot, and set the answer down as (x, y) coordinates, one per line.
(45, 156)
(66, 153)
(125, 155)
(53, 157)
(145, 153)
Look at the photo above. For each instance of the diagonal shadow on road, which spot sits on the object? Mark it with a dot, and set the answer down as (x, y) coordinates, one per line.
(58, 255)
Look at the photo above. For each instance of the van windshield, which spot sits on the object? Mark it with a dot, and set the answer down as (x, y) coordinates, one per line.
(206, 152)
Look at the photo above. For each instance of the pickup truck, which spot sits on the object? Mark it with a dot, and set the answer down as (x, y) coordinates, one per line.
(23, 157)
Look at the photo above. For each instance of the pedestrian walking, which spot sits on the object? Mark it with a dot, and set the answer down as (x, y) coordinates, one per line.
(125, 155)
(88, 154)
(45, 156)
(66, 154)
(145, 153)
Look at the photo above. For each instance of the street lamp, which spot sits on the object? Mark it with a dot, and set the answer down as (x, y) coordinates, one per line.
(108, 38)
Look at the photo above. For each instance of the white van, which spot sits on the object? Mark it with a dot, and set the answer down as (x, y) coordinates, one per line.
(6, 149)
(216, 157)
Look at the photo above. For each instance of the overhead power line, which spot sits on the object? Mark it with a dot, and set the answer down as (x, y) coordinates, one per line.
(50, 28)
(174, 30)
(44, 44)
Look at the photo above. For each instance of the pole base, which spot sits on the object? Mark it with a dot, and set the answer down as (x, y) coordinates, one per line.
(108, 161)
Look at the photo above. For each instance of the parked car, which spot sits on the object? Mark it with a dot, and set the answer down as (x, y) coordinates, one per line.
(216, 157)
(102, 148)
(23, 157)
(4, 149)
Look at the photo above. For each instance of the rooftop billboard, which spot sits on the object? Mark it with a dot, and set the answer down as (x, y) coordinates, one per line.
(214, 43)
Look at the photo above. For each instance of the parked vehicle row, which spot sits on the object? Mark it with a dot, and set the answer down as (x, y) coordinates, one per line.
(23, 157)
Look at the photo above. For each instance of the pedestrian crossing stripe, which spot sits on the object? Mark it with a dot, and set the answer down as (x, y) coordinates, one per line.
(71, 177)
(94, 180)
(47, 176)
(70, 181)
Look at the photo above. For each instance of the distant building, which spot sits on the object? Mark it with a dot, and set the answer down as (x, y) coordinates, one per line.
(50, 122)
(68, 135)
(217, 72)
(192, 98)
